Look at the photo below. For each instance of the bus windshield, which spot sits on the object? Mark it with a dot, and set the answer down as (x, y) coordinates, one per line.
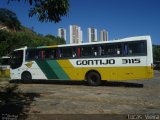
(16, 59)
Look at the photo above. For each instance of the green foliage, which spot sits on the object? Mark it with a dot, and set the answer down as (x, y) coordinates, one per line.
(3, 48)
(9, 19)
(48, 10)
(23, 37)
(156, 52)
(5, 37)
(58, 41)
(13, 40)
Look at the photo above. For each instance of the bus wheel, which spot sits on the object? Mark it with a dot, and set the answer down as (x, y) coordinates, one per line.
(93, 78)
(26, 77)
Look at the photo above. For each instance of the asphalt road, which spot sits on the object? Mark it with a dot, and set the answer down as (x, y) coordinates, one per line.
(76, 100)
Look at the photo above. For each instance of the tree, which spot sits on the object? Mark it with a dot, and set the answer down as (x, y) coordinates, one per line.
(9, 19)
(48, 10)
(156, 52)
(57, 40)
(50, 36)
(13, 40)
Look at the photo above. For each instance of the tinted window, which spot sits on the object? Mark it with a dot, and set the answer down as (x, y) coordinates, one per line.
(50, 53)
(67, 52)
(86, 51)
(74, 52)
(110, 49)
(59, 53)
(34, 54)
(89, 51)
(135, 48)
(16, 59)
(30, 54)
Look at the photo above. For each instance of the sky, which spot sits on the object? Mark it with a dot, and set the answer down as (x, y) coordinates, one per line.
(121, 18)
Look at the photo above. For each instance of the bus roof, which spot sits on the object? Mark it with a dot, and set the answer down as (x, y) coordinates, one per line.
(136, 38)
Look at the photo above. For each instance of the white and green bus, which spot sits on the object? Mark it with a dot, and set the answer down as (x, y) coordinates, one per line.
(124, 59)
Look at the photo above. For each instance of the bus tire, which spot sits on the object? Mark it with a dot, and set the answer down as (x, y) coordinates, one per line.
(93, 78)
(26, 77)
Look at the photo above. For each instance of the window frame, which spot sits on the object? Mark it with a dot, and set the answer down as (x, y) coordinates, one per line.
(122, 46)
(144, 53)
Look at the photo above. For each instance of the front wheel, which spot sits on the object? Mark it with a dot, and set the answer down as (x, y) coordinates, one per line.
(26, 77)
(93, 78)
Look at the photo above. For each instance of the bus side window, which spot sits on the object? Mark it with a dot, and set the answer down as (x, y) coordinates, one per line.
(67, 52)
(59, 53)
(110, 50)
(79, 52)
(130, 51)
(49, 53)
(52, 53)
(42, 54)
(119, 49)
(95, 50)
(101, 50)
(125, 52)
(27, 55)
(46, 53)
(37, 54)
(30, 54)
(87, 51)
(104, 49)
(136, 48)
(74, 52)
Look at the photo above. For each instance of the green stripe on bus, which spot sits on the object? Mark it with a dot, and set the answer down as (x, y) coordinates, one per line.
(58, 69)
(46, 68)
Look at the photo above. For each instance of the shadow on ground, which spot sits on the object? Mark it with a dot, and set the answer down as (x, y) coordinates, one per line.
(64, 82)
(122, 84)
(13, 103)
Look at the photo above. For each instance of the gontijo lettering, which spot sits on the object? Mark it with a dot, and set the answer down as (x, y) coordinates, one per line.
(95, 62)
(106, 61)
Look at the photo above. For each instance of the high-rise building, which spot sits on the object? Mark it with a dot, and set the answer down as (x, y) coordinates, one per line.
(75, 34)
(92, 34)
(62, 33)
(103, 35)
